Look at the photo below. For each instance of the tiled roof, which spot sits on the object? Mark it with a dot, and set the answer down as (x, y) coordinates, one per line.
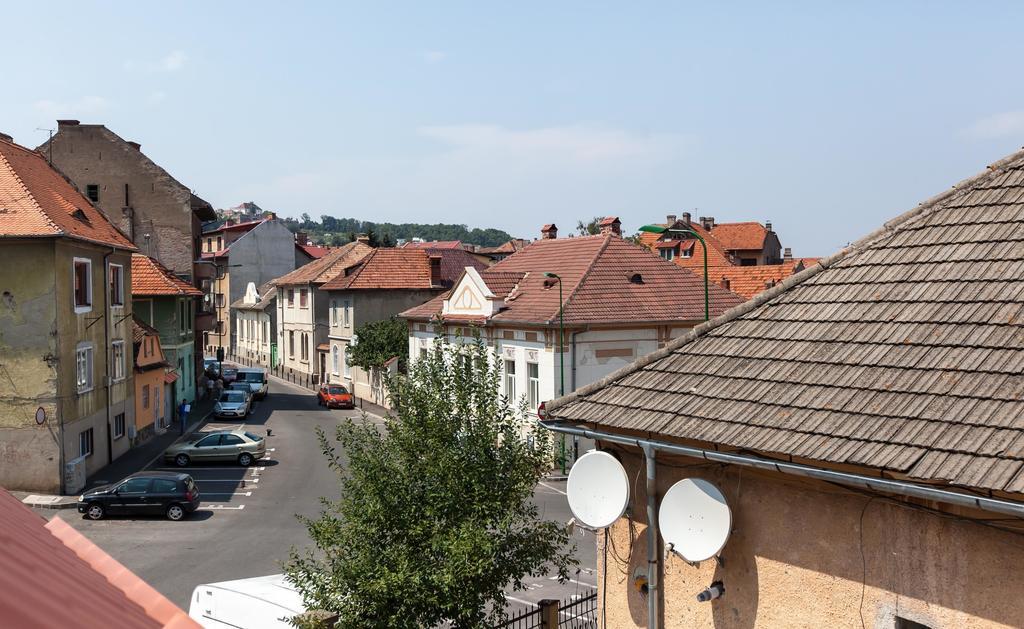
(313, 251)
(740, 236)
(325, 269)
(140, 329)
(604, 280)
(435, 244)
(507, 247)
(54, 577)
(246, 226)
(747, 281)
(267, 293)
(405, 269)
(149, 277)
(902, 353)
(36, 200)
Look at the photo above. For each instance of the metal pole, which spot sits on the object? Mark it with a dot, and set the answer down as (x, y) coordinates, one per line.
(704, 247)
(652, 538)
(561, 357)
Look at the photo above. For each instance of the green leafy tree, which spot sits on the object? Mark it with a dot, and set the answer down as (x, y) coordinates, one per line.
(379, 342)
(591, 228)
(436, 518)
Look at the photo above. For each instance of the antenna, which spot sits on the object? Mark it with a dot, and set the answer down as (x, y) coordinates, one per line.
(694, 519)
(598, 489)
(49, 145)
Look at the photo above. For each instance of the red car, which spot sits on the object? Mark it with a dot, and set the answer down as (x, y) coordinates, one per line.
(335, 396)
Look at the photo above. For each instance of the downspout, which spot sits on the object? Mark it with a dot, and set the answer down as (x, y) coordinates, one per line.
(872, 483)
(653, 556)
(106, 347)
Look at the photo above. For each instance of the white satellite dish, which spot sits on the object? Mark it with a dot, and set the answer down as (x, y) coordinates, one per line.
(694, 519)
(598, 489)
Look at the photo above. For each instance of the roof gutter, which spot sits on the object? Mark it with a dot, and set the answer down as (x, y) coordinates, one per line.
(902, 488)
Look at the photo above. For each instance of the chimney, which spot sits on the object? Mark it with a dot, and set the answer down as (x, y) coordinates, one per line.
(229, 222)
(768, 225)
(707, 222)
(301, 238)
(670, 220)
(686, 219)
(435, 270)
(787, 254)
(67, 123)
(611, 225)
(135, 145)
(6, 138)
(363, 238)
(549, 232)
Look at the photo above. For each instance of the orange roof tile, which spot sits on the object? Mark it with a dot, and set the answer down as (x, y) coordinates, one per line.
(313, 251)
(149, 277)
(604, 279)
(748, 281)
(405, 269)
(743, 236)
(52, 573)
(325, 269)
(36, 200)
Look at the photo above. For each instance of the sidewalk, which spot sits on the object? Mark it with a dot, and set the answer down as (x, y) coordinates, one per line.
(135, 460)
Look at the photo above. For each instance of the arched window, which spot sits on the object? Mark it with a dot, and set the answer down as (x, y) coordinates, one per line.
(334, 360)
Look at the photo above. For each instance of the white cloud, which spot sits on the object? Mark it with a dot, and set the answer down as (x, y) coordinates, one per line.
(84, 105)
(1001, 125)
(433, 56)
(174, 61)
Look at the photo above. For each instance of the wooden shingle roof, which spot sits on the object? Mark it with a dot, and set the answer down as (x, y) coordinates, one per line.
(325, 269)
(902, 353)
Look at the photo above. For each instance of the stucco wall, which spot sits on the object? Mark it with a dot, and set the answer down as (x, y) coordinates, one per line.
(808, 554)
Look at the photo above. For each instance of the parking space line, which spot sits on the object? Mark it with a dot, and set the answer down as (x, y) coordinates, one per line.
(552, 488)
(222, 507)
(589, 585)
(228, 480)
(222, 493)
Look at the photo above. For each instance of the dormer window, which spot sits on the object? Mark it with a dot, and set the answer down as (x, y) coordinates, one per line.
(636, 278)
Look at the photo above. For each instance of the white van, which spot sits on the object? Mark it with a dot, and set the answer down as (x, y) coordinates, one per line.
(257, 603)
(256, 379)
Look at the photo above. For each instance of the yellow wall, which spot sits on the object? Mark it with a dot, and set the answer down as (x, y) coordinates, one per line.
(795, 560)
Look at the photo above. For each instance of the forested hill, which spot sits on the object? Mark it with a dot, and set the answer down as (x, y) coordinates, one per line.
(335, 231)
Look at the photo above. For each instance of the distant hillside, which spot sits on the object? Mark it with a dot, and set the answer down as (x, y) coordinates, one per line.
(334, 231)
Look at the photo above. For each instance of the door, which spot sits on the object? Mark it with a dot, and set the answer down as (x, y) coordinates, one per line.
(132, 497)
(230, 447)
(162, 493)
(206, 449)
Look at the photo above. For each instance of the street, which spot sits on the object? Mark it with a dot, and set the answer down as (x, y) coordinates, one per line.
(247, 525)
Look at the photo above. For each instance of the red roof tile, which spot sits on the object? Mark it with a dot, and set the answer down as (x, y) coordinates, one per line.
(149, 277)
(53, 575)
(744, 236)
(325, 269)
(748, 281)
(36, 200)
(435, 244)
(604, 279)
(313, 251)
(402, 268)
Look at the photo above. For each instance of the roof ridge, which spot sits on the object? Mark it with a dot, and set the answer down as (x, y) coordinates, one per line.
(583, 278)
(885, 231)
(28, 193)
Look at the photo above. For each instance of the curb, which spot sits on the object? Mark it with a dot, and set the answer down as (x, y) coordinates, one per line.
(556, 477)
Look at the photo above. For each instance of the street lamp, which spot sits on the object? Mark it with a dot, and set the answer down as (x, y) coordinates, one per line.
(656, 229)
(561, 358)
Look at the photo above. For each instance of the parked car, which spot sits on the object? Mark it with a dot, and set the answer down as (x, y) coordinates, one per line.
(243, 387)
(256, 379)
(228, 373)
(210, 365)
(171, 494)
(335, 396)
(222, 445)
(232, 404)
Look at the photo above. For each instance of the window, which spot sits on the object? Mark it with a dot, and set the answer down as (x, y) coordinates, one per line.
(533, 385)
(266, 331)
(209, 244)
(348, 314)
(116, 272)
(304, 350)
(344, 366)
(145, 396)
(334, 360)
(118, 425)
(164, 486)
(241, 328)
(209, 442)
(92, 191)
(510, 379)
(83, 367)
(83, 285)
(303, 298)
(231, 440)
(220, 243)
(184, 315)
(687, 252)
(117, 369)
(134, 486)
(220, 300)
(668, 254)
(334, 314)
(291, 297)
(291, 344)
(424, 352)
(85, 443)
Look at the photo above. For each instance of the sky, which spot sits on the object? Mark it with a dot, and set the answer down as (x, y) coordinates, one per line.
(826, 119)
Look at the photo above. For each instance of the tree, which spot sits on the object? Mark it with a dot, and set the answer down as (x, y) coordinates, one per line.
(436, 517)
(591, 228)
(379, 342)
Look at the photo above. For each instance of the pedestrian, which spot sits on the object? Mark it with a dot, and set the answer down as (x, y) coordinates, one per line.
(219, 388)
(209, 388)
(181, 416)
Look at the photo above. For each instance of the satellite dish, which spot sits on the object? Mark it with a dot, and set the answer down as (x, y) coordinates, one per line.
(694, 519)
(598, 489)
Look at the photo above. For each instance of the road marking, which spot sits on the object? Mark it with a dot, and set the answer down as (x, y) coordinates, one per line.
(221, 493)
(552, 488)
(188, 469)
(589, 585)
(223, 507)
(227, 480)
(271, 449)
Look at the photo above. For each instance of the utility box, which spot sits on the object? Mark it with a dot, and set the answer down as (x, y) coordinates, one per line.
(74, 475)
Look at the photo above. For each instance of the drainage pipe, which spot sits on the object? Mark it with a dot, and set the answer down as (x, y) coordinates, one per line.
(902, 488)
(653, 556)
